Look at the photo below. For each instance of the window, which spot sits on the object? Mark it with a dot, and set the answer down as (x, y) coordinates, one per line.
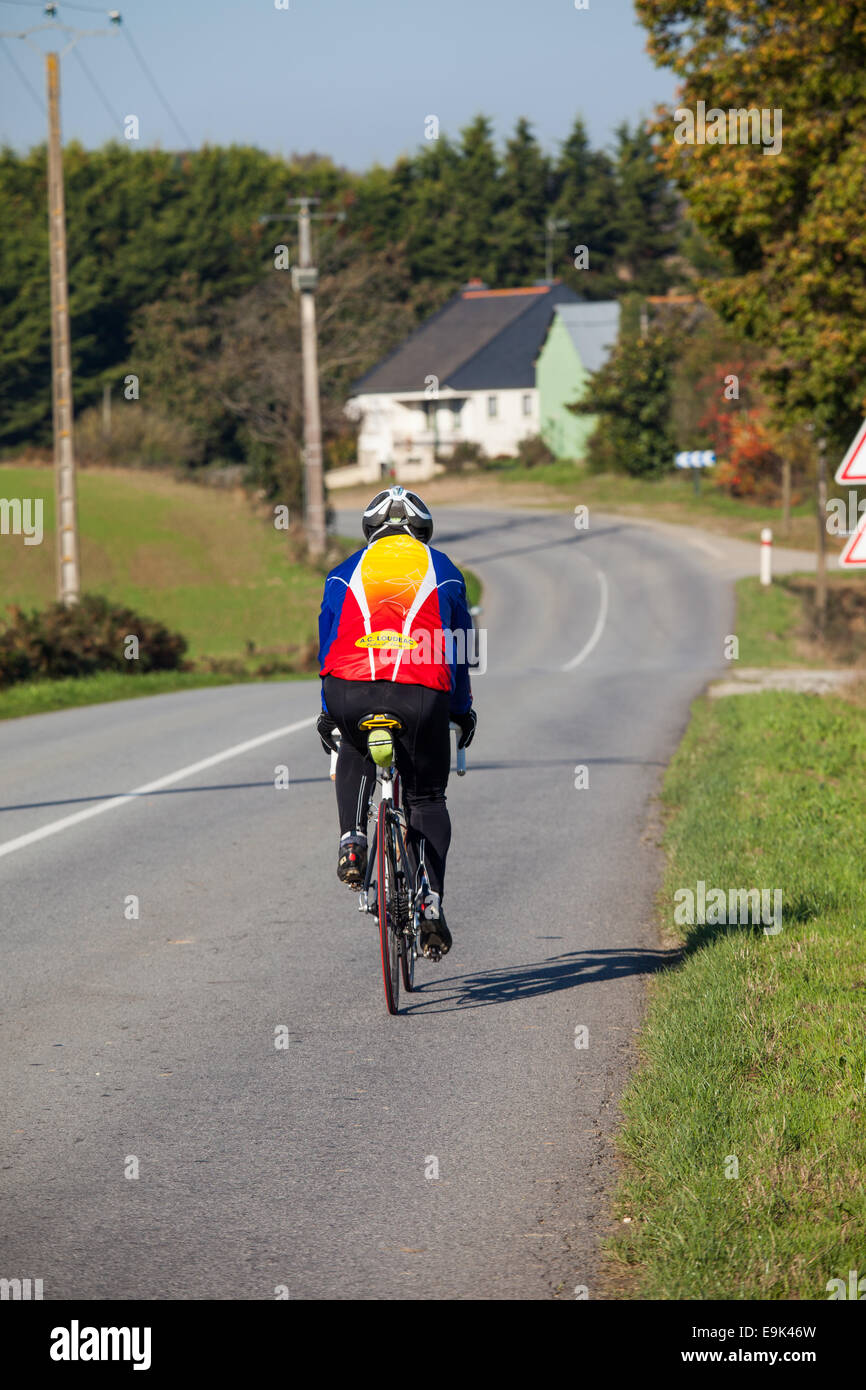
(492, 407)
(527, 404)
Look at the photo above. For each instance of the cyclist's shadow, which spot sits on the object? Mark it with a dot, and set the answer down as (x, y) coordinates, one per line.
(511, 984)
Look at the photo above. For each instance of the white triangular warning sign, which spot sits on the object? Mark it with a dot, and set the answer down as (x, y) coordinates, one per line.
(854, 554)
(852, 469)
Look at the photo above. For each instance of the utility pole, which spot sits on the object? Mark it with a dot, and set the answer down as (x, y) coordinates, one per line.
(305, 278)
(66, 523)
(552, 225)
(821, 577)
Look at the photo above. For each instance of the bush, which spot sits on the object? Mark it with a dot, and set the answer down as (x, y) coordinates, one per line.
(752, 466)
(533, 451)
(88, 637)
(140, 438)
(465, 453)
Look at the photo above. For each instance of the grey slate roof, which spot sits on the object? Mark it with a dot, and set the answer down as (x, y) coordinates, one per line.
(480, 340)
(593, 328)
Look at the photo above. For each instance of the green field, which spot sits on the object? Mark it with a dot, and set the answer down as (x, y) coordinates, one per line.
(775, 624)
(195, 557)
(754, 1045)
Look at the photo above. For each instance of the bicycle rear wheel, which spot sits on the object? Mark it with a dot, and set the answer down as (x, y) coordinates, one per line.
(387, 906)
(407, 940)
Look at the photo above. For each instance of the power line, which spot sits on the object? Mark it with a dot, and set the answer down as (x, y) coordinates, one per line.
(99, 92)
(37, 5)
(24, 78)
(152, 80)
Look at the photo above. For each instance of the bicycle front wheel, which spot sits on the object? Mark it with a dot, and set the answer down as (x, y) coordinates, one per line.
(388, 909)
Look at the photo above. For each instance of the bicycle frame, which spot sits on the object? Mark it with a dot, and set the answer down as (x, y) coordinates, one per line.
(388, 780)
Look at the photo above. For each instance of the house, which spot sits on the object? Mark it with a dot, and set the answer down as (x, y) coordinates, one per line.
(579, 341)
(467, 374)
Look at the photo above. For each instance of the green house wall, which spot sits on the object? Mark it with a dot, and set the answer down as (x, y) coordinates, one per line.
(561, 379)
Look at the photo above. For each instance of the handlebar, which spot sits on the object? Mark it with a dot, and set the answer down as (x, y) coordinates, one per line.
(461, 752)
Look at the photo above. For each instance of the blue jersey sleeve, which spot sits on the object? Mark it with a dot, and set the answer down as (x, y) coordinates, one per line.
(461, 622)
(329, 621)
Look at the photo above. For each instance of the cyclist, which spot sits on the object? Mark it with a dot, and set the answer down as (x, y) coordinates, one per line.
(394, 635)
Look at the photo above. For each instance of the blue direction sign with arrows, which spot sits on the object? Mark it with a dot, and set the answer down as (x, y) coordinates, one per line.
(695, 458)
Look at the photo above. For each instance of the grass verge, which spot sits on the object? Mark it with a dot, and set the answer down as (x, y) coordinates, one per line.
(776, 624)
(753, 1047)
(41, 697)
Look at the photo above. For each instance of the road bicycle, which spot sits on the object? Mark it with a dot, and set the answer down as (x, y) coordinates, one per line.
(396, 883)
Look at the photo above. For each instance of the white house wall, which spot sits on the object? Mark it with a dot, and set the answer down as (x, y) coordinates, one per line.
(395, 431)
(501, 433)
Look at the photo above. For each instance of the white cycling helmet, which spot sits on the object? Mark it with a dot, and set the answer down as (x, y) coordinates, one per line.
(398, 510)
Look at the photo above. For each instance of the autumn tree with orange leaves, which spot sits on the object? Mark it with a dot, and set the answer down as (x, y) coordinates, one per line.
(789, 228)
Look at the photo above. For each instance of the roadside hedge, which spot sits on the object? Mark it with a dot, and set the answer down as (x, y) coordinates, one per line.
(93, 635)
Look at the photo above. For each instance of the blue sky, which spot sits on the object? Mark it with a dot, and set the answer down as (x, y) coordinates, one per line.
(354, 79)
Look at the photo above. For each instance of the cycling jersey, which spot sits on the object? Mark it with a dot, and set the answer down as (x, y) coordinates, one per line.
(397, 611)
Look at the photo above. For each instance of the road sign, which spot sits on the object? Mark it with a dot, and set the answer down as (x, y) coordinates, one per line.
(695, 458)
(852, 469)
(854, 555)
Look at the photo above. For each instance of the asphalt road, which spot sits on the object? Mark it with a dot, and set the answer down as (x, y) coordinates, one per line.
(312, 1166)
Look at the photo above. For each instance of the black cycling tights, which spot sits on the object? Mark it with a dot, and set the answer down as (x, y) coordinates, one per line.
(423, 761)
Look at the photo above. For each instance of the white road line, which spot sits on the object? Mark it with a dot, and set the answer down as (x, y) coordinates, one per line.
(55, 826)
(596, 631)
(706, 546)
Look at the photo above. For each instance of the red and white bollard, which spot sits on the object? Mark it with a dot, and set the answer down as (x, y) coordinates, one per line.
(766, 556)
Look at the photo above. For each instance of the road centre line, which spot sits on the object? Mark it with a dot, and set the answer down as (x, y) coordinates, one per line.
(597, 630)
(54, 827)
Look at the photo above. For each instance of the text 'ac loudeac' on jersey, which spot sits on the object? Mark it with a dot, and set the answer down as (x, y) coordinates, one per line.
(397, 611)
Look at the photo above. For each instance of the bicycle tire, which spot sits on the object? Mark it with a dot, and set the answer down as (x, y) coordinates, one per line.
(407, 943)
(387, 909)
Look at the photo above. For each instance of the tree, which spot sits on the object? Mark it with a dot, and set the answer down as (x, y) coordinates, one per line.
(524, 191)
(478, 196)
(647, 233)
(136, 222)
(790, 222)
(631, 393)
(362, 313)
(175, 342)
(585, 197)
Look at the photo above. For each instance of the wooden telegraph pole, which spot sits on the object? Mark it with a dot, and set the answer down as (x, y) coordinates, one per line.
(68, 569)
(305, 278)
